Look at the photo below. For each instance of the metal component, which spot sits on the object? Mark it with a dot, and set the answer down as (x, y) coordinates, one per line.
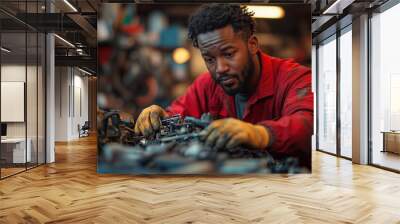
(177, 149)
(203, 122)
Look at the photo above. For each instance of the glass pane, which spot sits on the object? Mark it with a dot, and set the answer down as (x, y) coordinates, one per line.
(13, 86)
(31, 97)
(385, 89)
(327, 97)
(346, 94)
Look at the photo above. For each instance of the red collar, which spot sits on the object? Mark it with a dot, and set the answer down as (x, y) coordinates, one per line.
(265, 85)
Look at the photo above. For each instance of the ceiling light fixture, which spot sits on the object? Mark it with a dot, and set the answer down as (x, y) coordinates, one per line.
(5, 49)
(337, 7)
(65, 41)
(70, 5)
(84, 71)
(267, 11)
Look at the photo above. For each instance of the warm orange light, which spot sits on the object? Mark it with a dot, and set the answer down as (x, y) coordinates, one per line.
(181, 55)
(267, 11)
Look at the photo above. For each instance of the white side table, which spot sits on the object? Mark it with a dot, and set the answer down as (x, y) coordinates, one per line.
(19, 149)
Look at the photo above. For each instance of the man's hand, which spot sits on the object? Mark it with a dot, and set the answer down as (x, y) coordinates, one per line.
(148, 121)
(231, 132)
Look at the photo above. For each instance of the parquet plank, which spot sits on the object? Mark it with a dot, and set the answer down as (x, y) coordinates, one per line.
(70, 191)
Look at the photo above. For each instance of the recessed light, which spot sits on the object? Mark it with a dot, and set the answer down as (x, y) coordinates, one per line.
(5, 50)
(84, 71)
(64, 40)
(71, 6)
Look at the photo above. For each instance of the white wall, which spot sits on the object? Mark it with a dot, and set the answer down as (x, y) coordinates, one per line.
(33, 126)
(12, 73)
(61, 103)
(71, 94)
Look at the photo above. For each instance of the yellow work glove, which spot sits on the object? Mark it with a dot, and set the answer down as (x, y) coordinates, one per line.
(148, 121)
(230, 132)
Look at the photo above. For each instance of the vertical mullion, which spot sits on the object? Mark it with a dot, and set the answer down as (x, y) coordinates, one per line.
(369, 100)
(69, 92)
(317, 95)
(46, 3)
(73, 92)
(37, 89)
(338, 125)
(45, 93)
(26, 85)
(61, 74)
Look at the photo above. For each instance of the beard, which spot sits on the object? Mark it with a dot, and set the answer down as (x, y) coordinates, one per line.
(243, 78)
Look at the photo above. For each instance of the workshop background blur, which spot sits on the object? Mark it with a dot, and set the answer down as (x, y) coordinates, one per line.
(146, 58)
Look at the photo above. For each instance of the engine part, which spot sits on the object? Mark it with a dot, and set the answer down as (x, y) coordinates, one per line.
(177, 148)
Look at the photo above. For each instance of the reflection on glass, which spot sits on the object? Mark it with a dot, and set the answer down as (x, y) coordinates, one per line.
(346, 94)
(385, 89)
(327, 97)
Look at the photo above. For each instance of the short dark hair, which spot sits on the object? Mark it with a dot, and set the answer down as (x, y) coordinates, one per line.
(213, 16)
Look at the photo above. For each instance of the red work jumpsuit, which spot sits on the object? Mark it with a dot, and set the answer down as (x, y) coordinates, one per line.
(282, 102)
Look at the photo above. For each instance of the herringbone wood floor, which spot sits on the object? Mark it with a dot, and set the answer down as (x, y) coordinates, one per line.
(70, 191)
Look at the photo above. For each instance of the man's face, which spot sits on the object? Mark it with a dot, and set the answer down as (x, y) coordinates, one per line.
(227, 58)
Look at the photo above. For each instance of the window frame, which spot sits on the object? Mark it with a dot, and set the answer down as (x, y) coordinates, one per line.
(338, 29)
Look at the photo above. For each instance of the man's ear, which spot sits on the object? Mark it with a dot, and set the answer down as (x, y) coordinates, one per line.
(252, 44)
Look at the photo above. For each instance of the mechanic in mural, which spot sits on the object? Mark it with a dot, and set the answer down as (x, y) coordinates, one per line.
(260, 101)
